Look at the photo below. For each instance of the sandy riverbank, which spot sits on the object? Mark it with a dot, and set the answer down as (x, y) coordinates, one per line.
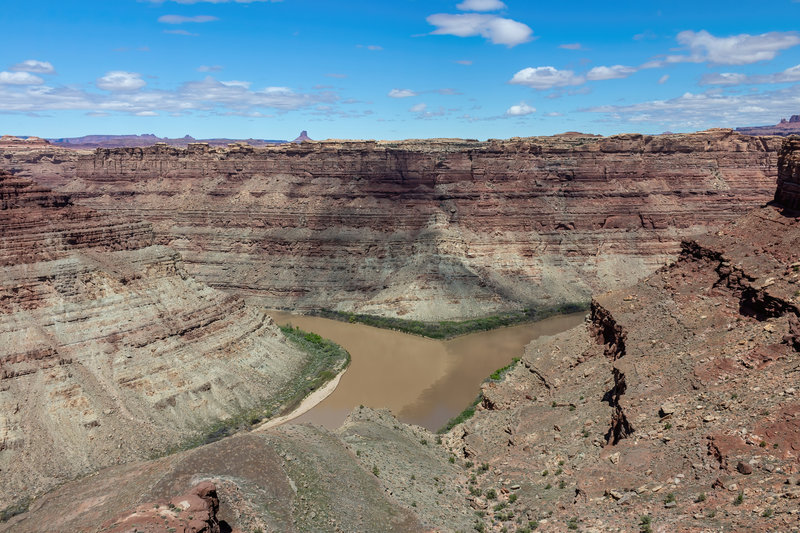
(307, 404)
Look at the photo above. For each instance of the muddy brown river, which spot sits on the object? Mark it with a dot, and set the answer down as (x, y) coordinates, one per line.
(422, 381)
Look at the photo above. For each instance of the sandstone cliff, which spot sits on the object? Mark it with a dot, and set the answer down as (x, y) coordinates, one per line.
(437, 228)
(674, 408)
(677, 402)
(109, 351)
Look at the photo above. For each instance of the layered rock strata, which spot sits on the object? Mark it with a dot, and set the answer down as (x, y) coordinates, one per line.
(788, 193)
(677, 402)
(109, 351)
(437, 228)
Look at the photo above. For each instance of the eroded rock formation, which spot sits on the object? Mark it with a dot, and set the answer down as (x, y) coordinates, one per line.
(784, 127)
(109, 351)
(432, 229)
(678, 401)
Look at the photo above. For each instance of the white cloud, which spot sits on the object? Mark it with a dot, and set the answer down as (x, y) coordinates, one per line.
(19, 78)
(121, 81)
(663, 79)
(402, 93)
(544, 78)
(34, 66)
(610, 73)
(182, 32)
(209, 68)
(790, 75)
(725, 78)
(465, 62)
(236, 83)
(571, 46)
(371, 47)
(734, 50)
(180, 19)
(419, 108)
(713, 108)
(206, 96)
(146, 114)
(520, 110)
(496, 29)
(481, 5)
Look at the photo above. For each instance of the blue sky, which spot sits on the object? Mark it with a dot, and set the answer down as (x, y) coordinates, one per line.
(395, 69)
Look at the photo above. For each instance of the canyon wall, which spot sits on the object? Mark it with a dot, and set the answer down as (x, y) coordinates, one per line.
(787, 194)
(109, 351)
(432, 229)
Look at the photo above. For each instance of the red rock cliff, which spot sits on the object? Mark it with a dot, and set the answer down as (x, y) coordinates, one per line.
(788, 192)
(437, 228)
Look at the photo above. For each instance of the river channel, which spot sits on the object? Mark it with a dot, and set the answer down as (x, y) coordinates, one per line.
(422, 381)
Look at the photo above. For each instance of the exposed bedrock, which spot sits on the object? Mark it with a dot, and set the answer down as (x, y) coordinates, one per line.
(696, 369)
(787, 194)
(109, 351)
(430, 229)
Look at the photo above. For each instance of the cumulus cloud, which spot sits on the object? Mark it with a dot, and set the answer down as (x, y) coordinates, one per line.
(520, 110)
(543, 78)
(402, 93)
(34, 66)
(19, 78)
(496, 29)
(180, 19)
(481, 5)
(790, 75)
(610, 73)
(740, 49)
(207, 95)
(120, 81)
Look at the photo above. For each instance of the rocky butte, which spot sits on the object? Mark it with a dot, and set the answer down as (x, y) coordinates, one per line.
(784, 127)
(431, 229)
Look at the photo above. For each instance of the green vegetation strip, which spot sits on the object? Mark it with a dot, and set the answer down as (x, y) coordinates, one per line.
(448, 329)
(467, 413)
(325, 360)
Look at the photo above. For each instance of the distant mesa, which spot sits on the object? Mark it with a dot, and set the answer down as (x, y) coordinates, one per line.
(148, 139)
(783, 128)
(10, 141)
(303, 137)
